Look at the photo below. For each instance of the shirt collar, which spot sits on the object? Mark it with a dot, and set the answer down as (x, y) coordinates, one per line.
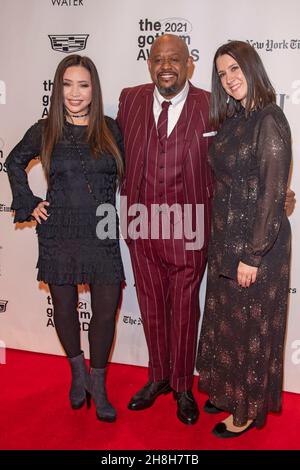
(176, 100)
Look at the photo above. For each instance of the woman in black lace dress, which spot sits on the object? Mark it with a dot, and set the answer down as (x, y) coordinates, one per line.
(81, 156)
(240, 354)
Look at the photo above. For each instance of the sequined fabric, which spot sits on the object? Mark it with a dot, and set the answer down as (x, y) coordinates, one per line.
(69, 249)
(240, 353)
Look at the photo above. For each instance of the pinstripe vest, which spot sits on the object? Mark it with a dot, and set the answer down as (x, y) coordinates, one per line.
(162, 179)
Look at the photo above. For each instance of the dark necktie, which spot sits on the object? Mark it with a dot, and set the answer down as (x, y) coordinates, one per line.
(162, 123)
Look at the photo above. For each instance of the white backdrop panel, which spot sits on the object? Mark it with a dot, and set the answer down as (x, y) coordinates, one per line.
(118, 36)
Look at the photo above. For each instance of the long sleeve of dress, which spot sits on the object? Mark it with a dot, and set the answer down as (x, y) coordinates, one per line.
(24, 201)
(273, 156)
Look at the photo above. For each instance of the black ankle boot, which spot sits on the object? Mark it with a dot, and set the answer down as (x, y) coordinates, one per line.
(104, 409)
(80, 382)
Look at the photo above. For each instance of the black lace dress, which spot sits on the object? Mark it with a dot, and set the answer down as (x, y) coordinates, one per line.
(240, 354)
(70, 251)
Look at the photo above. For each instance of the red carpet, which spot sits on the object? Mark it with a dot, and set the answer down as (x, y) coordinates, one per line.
(35, 414)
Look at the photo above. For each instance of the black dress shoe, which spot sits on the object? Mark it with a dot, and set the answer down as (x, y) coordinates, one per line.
(211, 409)
(220, 430)
(145, 397)
(187, 408)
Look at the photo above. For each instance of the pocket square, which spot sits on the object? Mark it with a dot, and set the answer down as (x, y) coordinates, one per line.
(209, 134)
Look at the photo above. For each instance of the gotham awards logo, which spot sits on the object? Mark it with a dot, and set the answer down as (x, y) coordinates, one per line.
(149, 30)
(84, 312)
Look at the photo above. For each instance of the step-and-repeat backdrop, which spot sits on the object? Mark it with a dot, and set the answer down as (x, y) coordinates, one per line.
(117, 34)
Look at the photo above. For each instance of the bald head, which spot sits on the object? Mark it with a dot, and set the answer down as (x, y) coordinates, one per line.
(170, 42)
(168, 63)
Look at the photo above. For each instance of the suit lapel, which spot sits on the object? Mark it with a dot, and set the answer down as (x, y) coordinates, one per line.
(193, 110)
(145, 108)
(193, 116)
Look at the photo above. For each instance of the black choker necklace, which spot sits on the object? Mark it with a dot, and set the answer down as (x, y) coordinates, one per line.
(78, 115)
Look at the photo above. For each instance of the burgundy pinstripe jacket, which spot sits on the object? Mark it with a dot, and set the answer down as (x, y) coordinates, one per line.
(135, 104)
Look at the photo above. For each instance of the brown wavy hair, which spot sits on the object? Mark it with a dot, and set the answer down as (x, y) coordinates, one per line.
(260, 90)
(98, 135)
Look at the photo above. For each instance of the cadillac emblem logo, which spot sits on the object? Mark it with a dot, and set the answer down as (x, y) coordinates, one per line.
(3, 304)
(68, 43)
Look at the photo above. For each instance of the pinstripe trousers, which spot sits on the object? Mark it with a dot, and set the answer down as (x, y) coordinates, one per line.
(167, 280)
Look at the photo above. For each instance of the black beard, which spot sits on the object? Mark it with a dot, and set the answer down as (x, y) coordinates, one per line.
(167, 91)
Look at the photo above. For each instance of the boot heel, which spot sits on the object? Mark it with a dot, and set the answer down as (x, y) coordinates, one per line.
(104, 409)
(77, 405)
(107, 419)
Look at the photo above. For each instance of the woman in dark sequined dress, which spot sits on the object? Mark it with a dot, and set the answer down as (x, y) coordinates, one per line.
(240, 354)
(80, 151)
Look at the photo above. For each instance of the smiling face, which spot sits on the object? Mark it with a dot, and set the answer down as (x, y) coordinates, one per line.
(168, 64)
(232, 78)
(77, 90)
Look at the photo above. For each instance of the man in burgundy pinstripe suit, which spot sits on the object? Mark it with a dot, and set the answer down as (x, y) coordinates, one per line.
(168, 169)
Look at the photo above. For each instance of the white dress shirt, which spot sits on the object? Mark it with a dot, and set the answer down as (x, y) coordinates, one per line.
(174, 109)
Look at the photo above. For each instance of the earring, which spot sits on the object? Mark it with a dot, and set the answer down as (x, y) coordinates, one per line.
(228, 98)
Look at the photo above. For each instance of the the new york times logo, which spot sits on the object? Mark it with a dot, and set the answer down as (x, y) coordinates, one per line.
(153, 29)
(130, 320)
(271, 45)
(68, 42)
(4, 208)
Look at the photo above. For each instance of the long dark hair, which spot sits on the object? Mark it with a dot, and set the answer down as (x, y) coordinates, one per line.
(98, 135)
(260, 90)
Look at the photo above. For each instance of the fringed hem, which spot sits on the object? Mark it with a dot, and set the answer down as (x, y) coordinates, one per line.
(62, 278)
